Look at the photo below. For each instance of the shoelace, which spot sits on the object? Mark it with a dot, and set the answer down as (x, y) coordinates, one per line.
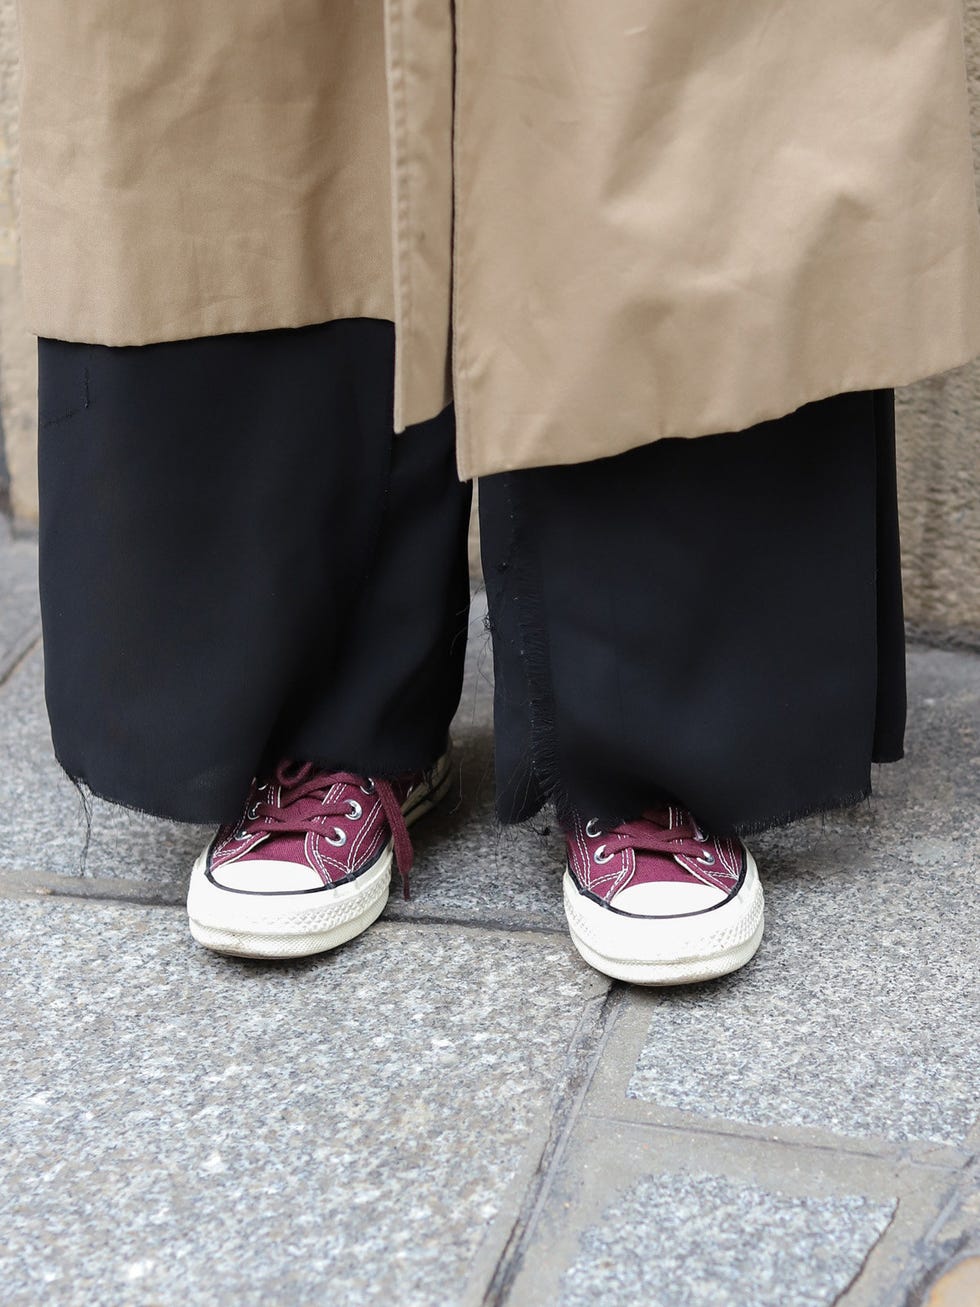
(306, 782)
(662, 830)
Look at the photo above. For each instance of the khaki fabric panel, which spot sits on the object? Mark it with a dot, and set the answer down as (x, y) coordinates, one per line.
(195, 168)
(670, 219)
(688, 217)
(419, 36)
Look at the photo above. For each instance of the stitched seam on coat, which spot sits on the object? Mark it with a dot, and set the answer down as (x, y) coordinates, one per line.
(459, 370)
(400, 198)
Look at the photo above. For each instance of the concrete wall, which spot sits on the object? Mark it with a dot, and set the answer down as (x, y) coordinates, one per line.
(939, 419)
(939, 468)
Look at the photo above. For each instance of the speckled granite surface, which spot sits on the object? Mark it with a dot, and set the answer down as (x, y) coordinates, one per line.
(749, 1245)
(20, 618)
(193, 1129)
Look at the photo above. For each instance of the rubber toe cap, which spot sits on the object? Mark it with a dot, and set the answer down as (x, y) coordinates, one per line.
(265, 876)
(667, 898)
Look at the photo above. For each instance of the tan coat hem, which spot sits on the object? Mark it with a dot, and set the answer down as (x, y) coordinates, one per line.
(470, 465)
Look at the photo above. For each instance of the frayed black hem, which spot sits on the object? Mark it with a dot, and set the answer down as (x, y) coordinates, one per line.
(835, 804)
(738, 829)
(84, 787)
(86, 791)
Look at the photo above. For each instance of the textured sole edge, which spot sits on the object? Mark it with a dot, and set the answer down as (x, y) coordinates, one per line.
(250, 943)
(278, 927)
(248, 926)
(671, 951)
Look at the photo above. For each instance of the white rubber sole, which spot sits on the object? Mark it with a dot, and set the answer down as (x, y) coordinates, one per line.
(668, 950)
(298, 925)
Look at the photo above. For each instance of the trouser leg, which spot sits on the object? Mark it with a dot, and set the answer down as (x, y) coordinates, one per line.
(716, 621)
(238, 557)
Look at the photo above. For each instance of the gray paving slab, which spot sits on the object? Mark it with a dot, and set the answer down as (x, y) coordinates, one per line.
(721, 1244)
(858, 1016)
(632, 1213)
(468, 867)
(612, 1097)
(20, 616)
(184, 1128)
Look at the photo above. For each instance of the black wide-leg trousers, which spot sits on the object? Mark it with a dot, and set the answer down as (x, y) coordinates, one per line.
(240, 562)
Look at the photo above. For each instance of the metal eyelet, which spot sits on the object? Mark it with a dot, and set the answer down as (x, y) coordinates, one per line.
(593, 829)
(598, 855)
(706, 859)
(241, 835)
(354, 809)
(253, 811)
(368, 788)
(340, 840)
(700, 835)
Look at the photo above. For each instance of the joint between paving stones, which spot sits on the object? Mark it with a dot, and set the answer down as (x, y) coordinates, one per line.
(79, 890)
(516, 925)
(19, 658)
(900, 1153)
(859, 1273)
(584, 1054)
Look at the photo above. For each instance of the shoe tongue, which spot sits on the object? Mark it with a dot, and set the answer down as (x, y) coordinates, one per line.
(657, 864)
(277, 849)
(658, 867)
(282, 845)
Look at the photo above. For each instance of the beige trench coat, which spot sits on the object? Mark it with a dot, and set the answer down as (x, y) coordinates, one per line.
(594, 224)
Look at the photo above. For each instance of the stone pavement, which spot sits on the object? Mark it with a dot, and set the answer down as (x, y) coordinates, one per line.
(454, 1109)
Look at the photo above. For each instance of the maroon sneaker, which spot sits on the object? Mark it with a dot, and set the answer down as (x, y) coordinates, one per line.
(308, 866)
(659, 902)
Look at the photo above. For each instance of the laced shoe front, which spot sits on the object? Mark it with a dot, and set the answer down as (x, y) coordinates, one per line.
(308, 865)
(659, 901)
